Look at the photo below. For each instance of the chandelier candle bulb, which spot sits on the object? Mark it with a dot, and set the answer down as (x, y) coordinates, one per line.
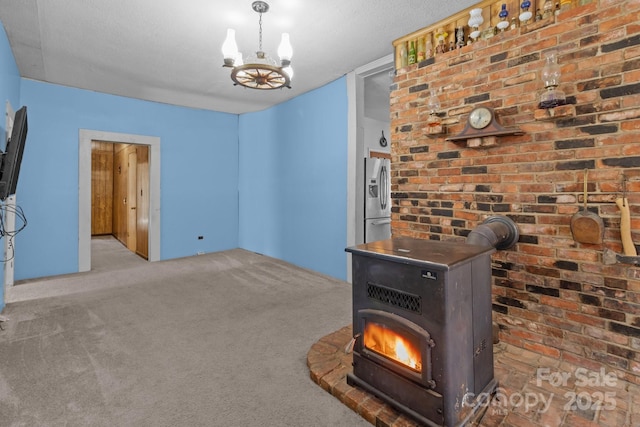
(285, 51)
(230, 48)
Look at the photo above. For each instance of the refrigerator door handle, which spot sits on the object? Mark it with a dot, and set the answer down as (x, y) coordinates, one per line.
(384, 187)
(381, 222)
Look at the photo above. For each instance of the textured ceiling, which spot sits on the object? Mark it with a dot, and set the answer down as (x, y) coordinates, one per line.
(169, 51)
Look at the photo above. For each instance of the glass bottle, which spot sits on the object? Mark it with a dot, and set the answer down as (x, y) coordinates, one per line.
(421, 50)
(459, 37)
(404, 59)
(547, 9)
(428, 47)
(412, 54)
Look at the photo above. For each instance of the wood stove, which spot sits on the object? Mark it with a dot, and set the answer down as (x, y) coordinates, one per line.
(422, 326)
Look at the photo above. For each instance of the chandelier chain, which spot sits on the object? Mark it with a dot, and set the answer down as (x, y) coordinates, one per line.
(260, 38)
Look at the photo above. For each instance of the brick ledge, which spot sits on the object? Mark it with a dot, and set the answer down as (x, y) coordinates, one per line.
(515, 370)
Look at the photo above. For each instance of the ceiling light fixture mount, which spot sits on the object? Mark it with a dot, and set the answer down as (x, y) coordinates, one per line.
(260, 71)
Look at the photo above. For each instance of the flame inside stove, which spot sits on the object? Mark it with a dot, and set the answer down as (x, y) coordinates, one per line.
(392, 345)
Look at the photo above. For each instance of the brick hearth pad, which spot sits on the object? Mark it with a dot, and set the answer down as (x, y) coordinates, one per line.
(533, 390)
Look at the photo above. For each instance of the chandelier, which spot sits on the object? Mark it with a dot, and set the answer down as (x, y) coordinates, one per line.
(260, 71)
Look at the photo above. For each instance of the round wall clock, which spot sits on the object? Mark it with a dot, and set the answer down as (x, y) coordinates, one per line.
(480, 117)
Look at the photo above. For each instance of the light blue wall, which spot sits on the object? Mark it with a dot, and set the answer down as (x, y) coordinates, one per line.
(199, 173)
(273, 181)
(9, 91)
(293, 175)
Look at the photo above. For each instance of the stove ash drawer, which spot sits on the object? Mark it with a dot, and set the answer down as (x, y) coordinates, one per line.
(399, 392)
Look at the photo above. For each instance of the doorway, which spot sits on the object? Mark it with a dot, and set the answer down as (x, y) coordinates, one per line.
(120, 193)
(84, 192)
(359, 109)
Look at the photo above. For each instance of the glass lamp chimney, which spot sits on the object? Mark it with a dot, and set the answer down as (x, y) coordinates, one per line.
(230, 48)
(285, 51)
(434, 123)
(550, 75)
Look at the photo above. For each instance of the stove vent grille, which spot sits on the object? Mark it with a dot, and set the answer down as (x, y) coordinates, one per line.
(395, 298)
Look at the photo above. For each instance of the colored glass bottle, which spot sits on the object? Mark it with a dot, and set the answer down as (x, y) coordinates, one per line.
(412, 54)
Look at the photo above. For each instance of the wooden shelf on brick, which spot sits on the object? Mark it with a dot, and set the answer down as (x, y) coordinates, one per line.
(487, 135)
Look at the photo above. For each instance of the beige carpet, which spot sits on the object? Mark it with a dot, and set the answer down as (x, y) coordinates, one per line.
(212, 340)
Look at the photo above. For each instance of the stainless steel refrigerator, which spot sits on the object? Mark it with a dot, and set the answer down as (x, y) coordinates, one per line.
(377, 203)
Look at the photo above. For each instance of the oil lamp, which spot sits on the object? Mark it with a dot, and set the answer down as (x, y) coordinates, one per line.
(526, 13)
(552, 96)
(475, 20)
(434, 122)
(504, 13)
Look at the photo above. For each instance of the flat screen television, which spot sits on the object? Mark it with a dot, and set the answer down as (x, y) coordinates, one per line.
(12, 156)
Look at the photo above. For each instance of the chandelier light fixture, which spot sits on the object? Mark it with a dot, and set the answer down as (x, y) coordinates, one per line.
(259, 71)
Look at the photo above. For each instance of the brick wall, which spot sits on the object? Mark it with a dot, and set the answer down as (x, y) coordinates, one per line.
(551, 295)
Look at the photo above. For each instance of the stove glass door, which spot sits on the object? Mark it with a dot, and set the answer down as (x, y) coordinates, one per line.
(393, 344)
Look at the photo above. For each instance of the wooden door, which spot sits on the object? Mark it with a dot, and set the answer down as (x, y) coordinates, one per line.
(132, 198)
(120, 193)
(142, 194)
(101, 188)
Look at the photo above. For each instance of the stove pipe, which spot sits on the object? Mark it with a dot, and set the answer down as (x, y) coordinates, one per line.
(497, 231)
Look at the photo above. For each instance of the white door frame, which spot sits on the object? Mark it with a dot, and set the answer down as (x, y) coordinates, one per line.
(84, 190)
(355, 150)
